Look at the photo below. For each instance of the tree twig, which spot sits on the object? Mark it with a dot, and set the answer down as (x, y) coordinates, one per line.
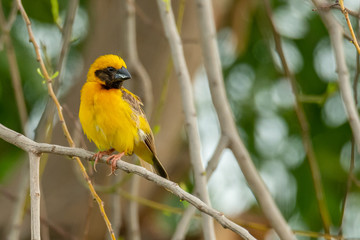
(35, 195)
(336, 37)
(171, 32)
(66, 40)
(305, 129)
(29, 145)
(346, 14)
(132, 58)
(16, 218)
(14, 68)
(183, 225)
(144, 88)
(228, 128)
(61, 117)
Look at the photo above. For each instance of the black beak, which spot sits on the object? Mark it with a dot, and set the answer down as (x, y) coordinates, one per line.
(122, 74)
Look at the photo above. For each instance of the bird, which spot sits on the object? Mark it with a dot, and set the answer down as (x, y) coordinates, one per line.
(113, 118)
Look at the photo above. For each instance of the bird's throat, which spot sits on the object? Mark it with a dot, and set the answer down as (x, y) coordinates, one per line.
(113, 85)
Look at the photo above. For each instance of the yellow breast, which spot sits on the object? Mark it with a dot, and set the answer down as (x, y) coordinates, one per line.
(107, 119)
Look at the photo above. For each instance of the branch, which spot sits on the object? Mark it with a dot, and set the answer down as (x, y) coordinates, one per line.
(33, 147)
(346, 14)
(35, 195)
(227, 124)
(144, 87)
(66, 40)
(336, 33)
(14, 68)
(305, 129)
(172, 34)
(132, 58)
(183, 225)
(61, 116)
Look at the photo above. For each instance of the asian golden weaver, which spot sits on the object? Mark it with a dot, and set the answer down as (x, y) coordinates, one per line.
(112, 117)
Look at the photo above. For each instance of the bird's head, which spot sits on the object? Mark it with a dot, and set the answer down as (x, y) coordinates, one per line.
(109, 70)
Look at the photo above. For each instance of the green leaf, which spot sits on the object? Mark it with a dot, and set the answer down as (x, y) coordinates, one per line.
(40, 73)
(55, 75)
(55, 11)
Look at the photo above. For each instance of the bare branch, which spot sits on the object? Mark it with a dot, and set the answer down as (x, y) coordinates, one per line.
(346, 14)
(66, 40)
(132, 212)
(14, 68)
(183, 224)
(337, 6)
(227, 124)
(132, 58)
(183, 76)
(214, 160)
(144, 88)
(336, 32)
(29, 145)
(305, 128)
(61, 116)
(115, 208)
(35, 195)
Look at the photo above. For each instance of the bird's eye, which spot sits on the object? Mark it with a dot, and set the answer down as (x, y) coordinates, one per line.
(111, 69)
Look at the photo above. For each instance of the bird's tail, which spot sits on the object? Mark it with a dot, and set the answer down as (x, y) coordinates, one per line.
(159, 167)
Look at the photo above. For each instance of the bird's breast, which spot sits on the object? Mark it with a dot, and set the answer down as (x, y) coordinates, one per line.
(107, 119)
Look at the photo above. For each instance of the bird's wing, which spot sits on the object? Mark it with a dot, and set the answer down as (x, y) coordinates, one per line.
(136, 105)
(134, 102)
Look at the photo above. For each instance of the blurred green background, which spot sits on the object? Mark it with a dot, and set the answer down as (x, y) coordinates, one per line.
(259, 94)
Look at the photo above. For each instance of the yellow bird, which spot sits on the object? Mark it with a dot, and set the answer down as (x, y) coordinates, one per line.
(112, 117)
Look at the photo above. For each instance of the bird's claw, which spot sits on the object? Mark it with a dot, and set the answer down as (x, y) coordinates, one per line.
(112, 161)
(100, 154)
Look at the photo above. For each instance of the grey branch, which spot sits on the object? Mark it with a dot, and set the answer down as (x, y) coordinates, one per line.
(336, 36)
(33, 147)
(177, 53)
(227, 124)
(35, 195)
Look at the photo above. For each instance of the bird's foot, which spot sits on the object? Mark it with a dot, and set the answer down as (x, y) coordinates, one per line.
(100, 154)
(112, 161)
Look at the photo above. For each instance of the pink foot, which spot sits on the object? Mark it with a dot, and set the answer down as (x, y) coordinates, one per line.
(100, 154)
(112, 161)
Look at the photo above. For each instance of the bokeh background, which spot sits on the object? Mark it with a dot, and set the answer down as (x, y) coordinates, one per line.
(259, 94)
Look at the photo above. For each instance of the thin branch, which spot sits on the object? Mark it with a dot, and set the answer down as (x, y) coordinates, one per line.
(115, 207)
(184, 223)
(167, 18)
(29, 145)
(14, 68)
(16, 219)
(214, 160)
(353, 150)
(66, 40)
(144, 88)
(216, 83)
(346, 14)
(35, 195)
(61, 117)
(58, 229)
(336, 33)
(337, 6)
(132, 58)
(305, 129)
(132, 212)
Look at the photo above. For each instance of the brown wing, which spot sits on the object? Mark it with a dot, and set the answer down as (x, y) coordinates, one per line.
(147, 138)
(136, 105)
(134, 101)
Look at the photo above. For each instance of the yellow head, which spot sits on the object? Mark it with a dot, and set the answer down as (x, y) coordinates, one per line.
(109, 70)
